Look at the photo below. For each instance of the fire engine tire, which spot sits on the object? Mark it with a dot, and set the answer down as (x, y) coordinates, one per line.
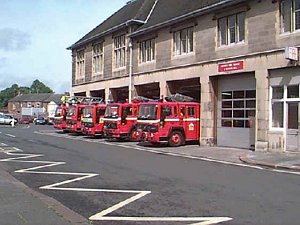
(133, 135)
(176, 139)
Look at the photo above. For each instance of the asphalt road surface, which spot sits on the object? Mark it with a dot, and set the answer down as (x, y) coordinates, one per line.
(116, 183)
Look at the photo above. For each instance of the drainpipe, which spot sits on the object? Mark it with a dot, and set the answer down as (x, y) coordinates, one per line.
(130, 70)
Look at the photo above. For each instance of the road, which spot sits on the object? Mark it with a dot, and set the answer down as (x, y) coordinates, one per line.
(116, 183)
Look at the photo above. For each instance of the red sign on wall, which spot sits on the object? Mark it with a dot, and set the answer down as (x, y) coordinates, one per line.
(231, 66)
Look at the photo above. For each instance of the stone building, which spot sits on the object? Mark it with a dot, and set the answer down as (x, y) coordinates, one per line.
(238, 58)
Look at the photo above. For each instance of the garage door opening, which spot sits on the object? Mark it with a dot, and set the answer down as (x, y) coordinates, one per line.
(151, 90)
(188, 87)
(118, 94)
(98, 94)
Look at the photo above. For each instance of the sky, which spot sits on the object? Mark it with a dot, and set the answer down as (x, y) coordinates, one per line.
(34, 35)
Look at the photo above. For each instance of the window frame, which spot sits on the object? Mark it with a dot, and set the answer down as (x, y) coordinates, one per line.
(288, 8)
(119, 51)
(225, 37)
(183, 41)
(98, 58)
(80, 64)
(230, 113)
(284, 100)
(147, 50)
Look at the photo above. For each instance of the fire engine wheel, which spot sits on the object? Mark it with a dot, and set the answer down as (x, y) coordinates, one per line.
(133, 135)
(176, 139)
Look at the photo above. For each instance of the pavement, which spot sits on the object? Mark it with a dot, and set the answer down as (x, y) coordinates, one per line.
(273, 160)
(20, 205)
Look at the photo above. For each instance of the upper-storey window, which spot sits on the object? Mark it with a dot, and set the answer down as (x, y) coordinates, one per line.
(290, 15)
(231, 29)
(80, 64)
(147, 50)
(183, 41)
(119, 51)
(98, 58)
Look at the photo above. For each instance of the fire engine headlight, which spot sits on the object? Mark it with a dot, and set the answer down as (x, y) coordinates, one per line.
(88, 124)
(110, 126)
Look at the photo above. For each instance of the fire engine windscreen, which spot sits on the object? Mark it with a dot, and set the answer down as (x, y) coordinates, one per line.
(147, 112)
(71, 111)
(58, 112)
(87, 112)
(111, 111)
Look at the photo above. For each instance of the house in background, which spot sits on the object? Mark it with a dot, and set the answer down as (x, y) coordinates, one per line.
(34, 104)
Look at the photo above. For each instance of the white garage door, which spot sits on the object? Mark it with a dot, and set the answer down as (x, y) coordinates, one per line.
(236, 111)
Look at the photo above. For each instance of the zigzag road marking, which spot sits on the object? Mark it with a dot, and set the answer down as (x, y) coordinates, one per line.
(19, 156)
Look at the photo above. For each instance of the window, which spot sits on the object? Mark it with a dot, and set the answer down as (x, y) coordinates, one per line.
(277, 114)
(293, 91)
(281, 98)
(277, 104)
(166, 111)
(147, 50)
(290, 15)
(97, 58)
(183, 41)
(231, 29)
(119, 51)
(191, 111)
(237, 107)
(80, 64)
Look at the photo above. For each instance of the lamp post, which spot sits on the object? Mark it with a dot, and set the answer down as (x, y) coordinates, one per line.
(130, 70)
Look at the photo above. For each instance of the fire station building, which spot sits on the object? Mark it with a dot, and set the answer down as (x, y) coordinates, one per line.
(238, 58)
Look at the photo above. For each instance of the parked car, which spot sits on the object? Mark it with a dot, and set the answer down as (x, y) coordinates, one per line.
(40, 121)
(7, 119)
(24, 120)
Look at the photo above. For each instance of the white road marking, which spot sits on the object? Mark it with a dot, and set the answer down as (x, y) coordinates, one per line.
(12, 151)
(10, 135)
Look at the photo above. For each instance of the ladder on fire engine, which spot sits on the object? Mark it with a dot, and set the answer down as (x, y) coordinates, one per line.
(179, 98)
(85, 100)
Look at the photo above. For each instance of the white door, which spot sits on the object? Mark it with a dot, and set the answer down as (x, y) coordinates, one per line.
(292, 132)
(236, 111)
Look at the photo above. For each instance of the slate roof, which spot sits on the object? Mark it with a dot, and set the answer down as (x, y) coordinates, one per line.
(152, 14)
(170, 11)
(135, 11)
(40, 97)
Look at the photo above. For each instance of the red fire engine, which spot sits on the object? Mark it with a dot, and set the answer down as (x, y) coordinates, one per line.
(120, 120)
(92, 119)
(169, 122)
(60, 117)
(74, 115)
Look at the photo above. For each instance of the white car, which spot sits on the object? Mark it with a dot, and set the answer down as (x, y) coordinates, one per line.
(6, 119)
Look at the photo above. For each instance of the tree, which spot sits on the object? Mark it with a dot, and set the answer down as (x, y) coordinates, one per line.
(14, 90)
(39, 87)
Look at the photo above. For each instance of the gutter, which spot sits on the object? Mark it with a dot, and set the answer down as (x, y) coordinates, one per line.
(185, 16)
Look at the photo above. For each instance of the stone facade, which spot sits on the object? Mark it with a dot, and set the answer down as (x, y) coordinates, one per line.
(262, 51)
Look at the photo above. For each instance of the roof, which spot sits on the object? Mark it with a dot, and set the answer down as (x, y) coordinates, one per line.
(167, 12)
(152, 14)
(37, 97)
(135, 11)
